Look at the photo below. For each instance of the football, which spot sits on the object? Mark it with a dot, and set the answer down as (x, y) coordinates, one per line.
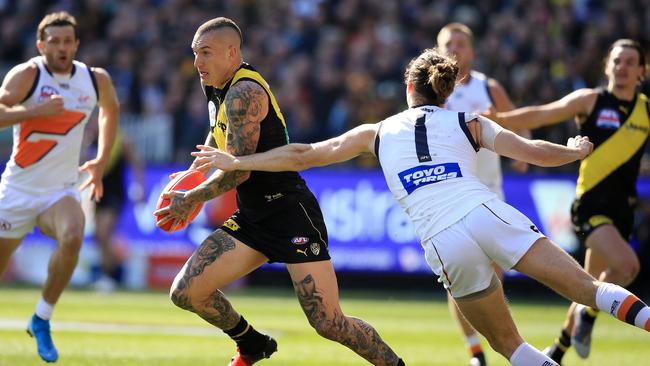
(183, 182)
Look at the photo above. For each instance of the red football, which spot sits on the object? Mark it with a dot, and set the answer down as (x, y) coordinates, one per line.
(183, 182)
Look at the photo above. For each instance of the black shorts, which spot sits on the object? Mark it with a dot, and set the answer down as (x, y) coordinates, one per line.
(588, 214)
(289, 229)
(114, 189)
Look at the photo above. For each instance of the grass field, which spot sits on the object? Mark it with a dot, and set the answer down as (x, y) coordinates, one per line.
(146, 329)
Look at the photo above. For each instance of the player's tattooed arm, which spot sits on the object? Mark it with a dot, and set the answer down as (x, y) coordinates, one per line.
(246, 105)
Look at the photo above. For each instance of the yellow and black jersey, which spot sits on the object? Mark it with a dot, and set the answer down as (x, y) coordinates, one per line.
(261, 187)
(619, 131)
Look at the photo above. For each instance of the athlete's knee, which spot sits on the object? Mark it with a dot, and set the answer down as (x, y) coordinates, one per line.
(625, 271)
(180, 295)
(505, 343)
(328, 328)
(71, 239)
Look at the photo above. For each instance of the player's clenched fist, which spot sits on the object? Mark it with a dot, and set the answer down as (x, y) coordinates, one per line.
(52, 106)
(582, 144)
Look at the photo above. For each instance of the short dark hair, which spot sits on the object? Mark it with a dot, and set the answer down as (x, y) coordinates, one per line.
(218, 23)
(630, 43)
(58, 19)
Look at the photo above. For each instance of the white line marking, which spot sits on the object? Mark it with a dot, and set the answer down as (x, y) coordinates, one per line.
(86, 327)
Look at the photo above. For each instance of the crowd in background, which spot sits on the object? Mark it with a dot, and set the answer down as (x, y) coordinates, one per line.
(331, 64)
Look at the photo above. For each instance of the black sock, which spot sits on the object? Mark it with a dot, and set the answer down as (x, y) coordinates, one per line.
(400, 363)
(560, 346)
(585, 316)
(247, 338)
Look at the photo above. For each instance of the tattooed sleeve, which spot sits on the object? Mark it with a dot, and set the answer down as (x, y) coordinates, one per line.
(246, 105)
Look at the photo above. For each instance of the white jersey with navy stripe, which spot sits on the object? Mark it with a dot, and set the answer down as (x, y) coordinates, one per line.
(45, 156)
(474, 96)
(428, 157)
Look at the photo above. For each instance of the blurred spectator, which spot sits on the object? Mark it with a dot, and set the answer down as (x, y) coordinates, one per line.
(335, 63)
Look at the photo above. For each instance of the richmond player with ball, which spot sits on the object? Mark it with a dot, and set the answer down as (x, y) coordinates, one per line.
(278, 220)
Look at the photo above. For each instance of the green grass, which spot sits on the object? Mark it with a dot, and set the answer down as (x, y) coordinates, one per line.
(418, 327)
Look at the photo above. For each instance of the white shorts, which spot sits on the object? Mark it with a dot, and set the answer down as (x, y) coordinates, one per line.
(19, 210)
(462, 254)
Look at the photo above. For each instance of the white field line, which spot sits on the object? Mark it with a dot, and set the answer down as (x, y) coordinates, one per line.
(147, 329)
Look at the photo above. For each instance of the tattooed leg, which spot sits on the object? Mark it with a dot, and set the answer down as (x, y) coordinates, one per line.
(324, 314)
(196, 287)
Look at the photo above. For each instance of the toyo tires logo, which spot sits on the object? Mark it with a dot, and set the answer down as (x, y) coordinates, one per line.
(423, 175)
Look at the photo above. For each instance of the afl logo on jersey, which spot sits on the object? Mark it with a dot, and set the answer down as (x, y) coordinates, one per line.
(212, 112)
(423, 175)
(46, 92)
(608, 119)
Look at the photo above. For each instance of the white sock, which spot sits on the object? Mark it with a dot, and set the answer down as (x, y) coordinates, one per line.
(623, 305)
(526, 355)
(44, 309)
(473, 343)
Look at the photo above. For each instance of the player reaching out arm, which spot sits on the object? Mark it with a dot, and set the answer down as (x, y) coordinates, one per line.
(297, 157)
(462, 225)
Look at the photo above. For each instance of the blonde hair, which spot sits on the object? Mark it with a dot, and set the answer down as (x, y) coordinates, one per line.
(58, 19)
(455, 27)
(433, 76)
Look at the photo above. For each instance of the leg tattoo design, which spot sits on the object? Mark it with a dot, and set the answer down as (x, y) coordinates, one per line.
(353, 333)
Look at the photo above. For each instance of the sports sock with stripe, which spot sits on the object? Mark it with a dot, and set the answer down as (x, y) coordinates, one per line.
(527, 355)
(623, 305)
(247, 338)
(560, 346)
(473, 343)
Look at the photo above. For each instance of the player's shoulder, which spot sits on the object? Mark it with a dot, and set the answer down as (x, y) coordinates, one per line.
(24, 71)
(100, 73)
(247, 91)
(245, 86)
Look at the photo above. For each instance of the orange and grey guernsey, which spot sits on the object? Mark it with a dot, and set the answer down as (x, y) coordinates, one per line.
(619, 131)
(261, 187)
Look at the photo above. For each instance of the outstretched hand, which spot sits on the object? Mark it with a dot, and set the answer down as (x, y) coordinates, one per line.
(94, 181)
(582, 144)
(209, 157)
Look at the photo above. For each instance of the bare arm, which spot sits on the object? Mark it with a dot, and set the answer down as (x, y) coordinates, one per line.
(537, 152)
(108, 123)
(502, 103)
(295, 157)
(14, 90)
(246, 105)
(578, 104)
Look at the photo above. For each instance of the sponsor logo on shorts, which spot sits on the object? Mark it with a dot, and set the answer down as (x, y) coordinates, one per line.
(534, 228)
(231, 224)
(300, 240)
(615, 304)
(302, 251)
(423, 175)
(315, 248)
(5, 225)
(546, 363)
(273, 197)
